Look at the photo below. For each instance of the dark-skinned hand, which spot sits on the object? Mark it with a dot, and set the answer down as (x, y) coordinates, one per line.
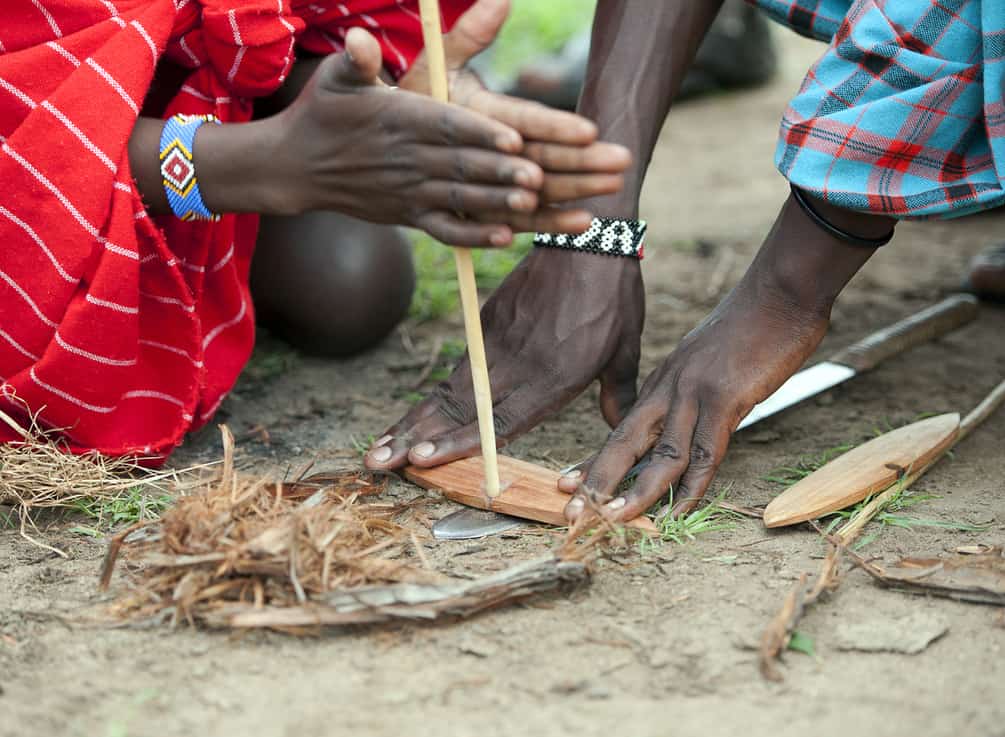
(558, 322)
(689, 407)
(576, 166)
(348, 143)
(753, 341)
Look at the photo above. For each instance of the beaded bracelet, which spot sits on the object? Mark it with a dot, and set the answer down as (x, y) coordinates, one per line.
(609, 236)
(178, 166)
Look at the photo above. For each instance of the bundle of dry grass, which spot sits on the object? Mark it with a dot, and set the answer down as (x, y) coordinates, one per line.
(38, 472)
(249, 552)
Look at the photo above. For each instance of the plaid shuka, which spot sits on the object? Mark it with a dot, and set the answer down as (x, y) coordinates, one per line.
(903, 115)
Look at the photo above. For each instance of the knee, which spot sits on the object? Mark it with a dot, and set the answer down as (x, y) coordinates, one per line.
(330, 284)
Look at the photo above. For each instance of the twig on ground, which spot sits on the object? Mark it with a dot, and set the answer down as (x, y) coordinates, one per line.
(253, 552)
(781, 626)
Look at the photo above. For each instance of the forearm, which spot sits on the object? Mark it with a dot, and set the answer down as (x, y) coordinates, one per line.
(807, 267)
(231, 160)
(639, 55)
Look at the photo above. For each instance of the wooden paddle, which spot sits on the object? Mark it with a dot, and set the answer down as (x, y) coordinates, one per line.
(528, 491)
(905, 453)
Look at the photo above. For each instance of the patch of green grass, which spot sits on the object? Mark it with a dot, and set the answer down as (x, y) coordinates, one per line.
(891, 516)
(362, 445)
(128, 508)
(270, 360)
(534, 27)
(805, 465)
(7, 518)
(452, 350)
(436, 289)
(86, 531)
(707, 517)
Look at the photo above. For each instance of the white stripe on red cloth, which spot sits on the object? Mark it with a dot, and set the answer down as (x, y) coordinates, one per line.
(96, 357)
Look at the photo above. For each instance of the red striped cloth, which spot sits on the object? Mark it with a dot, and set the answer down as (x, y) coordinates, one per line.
(127, 331)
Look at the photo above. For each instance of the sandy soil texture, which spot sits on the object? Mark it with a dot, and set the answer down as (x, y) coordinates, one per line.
(658, 644)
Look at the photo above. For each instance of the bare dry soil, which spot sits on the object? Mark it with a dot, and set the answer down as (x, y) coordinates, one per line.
(658, 644)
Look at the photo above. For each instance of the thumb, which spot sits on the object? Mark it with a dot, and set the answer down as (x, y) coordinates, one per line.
(358, 66)
(618, 385)
(474, 31)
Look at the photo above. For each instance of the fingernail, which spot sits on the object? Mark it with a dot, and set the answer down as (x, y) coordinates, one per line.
(499, 238)
(523, 178)
(574, 475)
(383, 441)
(424, 450)
(381, 455)
(508, 141)
(517, 201)
(615, 504)
(574, 508)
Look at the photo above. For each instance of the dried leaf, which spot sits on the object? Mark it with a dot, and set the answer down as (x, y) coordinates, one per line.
(977, 577)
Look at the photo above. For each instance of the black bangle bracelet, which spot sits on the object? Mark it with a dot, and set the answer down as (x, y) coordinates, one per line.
(824, 224)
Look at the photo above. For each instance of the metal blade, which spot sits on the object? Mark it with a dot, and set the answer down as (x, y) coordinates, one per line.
(800, 386)
(467, 524)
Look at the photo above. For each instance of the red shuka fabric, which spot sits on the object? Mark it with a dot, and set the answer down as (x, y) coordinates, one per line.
(126, 330)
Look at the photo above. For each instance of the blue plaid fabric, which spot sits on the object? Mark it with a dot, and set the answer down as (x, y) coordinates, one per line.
(904, 114)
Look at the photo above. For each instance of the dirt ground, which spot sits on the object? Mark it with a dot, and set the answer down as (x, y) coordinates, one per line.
(658, 645)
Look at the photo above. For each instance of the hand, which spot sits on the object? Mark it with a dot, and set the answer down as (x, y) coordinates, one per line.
(349, 144)
(576, 166)
(689, 407)
(760, 335)
(559, 321)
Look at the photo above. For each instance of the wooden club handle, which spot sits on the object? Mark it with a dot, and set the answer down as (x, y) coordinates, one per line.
(912, 331)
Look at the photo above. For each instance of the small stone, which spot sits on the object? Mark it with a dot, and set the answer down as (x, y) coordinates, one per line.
(910, 634)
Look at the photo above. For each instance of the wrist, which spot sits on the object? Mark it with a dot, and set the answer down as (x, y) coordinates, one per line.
(577, 266)
(238, 169)
(805, 266)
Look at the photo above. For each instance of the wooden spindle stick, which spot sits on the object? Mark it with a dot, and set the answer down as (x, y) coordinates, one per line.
(432, 35)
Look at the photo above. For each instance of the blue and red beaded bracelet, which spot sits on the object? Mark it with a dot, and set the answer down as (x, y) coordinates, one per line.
(178, 166)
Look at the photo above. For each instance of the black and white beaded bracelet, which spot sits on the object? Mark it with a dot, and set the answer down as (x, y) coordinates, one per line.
(609, 236)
